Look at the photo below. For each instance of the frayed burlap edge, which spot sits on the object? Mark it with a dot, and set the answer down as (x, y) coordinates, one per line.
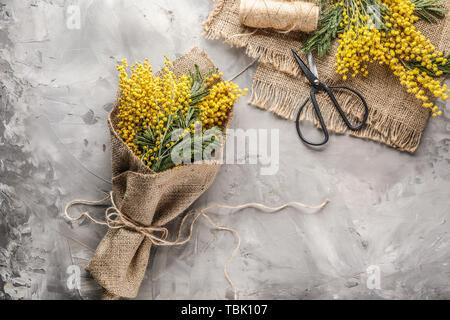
(381, 128)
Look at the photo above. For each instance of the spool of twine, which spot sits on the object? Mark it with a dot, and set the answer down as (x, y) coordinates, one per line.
(279, 15)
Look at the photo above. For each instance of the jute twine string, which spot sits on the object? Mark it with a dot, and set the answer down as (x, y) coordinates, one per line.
(243, 70)
(284, 16)
(302, 16)
(114, 219)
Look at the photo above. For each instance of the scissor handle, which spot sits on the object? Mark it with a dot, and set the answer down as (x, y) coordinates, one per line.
(319, 116)
(341, 112)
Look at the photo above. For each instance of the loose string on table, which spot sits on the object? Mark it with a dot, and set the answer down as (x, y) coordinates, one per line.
(114, 219)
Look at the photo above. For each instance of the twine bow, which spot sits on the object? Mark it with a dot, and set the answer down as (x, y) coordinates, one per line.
(114, 219)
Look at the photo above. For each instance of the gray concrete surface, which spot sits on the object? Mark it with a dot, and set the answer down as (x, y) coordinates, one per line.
(389, 211)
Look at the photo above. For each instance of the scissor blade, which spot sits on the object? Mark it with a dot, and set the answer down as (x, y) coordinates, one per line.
(312, 65)
(308, 73)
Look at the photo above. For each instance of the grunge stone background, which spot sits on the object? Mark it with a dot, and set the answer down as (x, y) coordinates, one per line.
(389, 211)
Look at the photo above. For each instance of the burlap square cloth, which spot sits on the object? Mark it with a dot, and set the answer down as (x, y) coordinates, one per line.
(396, 118)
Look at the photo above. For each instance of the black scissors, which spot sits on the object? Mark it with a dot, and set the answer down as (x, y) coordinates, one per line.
(317, 86)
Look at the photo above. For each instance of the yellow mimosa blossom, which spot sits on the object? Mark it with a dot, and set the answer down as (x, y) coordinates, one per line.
(159, 103)
(397, 46)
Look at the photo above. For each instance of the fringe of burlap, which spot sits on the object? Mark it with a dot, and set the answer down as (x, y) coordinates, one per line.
(396, 118)
(285, 103)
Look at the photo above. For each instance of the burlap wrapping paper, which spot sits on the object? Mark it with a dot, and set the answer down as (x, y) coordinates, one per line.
(147, 198)
(396, 118)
